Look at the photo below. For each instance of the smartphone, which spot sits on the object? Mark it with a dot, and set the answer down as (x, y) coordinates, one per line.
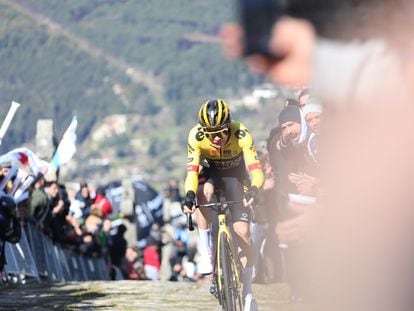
(257, 18)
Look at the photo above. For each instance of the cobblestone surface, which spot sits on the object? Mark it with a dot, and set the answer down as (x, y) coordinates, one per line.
(131, 295)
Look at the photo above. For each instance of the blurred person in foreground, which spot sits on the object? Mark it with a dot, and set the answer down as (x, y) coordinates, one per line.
(362, 239)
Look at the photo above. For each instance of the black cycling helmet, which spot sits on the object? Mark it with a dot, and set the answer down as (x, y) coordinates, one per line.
(214, 114)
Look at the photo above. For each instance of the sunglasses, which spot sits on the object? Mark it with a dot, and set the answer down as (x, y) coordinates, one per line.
(220, 133)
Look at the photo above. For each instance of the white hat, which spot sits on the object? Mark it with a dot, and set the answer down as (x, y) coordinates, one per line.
(312, 105)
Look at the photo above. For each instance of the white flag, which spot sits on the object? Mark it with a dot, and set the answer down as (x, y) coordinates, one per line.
(23, 156)
(67, 146)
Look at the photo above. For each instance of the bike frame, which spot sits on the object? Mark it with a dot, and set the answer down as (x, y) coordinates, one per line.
(224, 229)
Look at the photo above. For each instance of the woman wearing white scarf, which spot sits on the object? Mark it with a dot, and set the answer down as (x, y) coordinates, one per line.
(293, 125)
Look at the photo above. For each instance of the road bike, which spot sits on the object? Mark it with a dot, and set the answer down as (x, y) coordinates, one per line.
(227, 272)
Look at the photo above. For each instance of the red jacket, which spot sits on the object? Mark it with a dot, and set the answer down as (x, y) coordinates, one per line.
(151, 257)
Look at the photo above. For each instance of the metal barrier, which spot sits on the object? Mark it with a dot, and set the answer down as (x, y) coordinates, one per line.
(19, 258)
(37, 247)
(35, 255)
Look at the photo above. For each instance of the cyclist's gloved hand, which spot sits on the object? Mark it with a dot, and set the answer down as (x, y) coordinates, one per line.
(189, 202)
(251, 193)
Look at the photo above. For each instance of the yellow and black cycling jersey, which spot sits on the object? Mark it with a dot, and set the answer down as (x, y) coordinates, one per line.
(239, 152)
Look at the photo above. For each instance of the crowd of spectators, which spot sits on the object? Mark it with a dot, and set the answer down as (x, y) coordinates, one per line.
(290, 161)
(83, 220)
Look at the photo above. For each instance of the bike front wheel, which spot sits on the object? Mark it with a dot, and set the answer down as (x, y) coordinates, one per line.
(230, 296)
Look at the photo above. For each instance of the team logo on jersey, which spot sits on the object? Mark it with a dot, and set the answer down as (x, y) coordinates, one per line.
(240, 134)
(190, 159)
(213, 152)
(227, 152)
(190, 148)
(224, 164)
(199, 136)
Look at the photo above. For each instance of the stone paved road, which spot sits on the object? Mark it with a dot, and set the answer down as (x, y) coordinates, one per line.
(131, 295)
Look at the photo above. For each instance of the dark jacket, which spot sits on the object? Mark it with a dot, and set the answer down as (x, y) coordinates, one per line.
(285, 160)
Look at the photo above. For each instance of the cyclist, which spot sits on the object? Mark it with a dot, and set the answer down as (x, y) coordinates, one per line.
(227, 148)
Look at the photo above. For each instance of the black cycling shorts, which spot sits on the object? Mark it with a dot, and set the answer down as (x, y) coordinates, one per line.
(232, 186)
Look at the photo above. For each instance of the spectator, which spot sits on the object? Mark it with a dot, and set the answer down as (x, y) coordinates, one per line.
(178, 272)
(133, 267)
(91, 244)
(313, 116)
(103, 202)
(94, 221)
(74, 233)
(152, 262)
(291, 102)
(117, 245)
(83, 196)
(180, 243)
(10, 230)
(172, 191)
(183, 272)
(4, 170)
(305, 183)
(288, 154)
(75, 207)
(58, 210)
(155, 236)
(39, 202)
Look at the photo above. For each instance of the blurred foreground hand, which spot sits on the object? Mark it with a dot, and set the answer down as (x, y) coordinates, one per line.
(293, 41)
(300, 227)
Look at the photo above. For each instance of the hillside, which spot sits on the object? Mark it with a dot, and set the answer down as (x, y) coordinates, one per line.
(151, 63)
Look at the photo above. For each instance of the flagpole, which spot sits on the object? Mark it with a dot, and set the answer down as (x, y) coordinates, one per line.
(9, 117)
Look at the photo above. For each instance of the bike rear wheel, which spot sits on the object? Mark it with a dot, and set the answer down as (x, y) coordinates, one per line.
(230, 297)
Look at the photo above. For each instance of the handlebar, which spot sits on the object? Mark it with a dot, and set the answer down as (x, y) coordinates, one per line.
(224, 204)
(190, 222)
